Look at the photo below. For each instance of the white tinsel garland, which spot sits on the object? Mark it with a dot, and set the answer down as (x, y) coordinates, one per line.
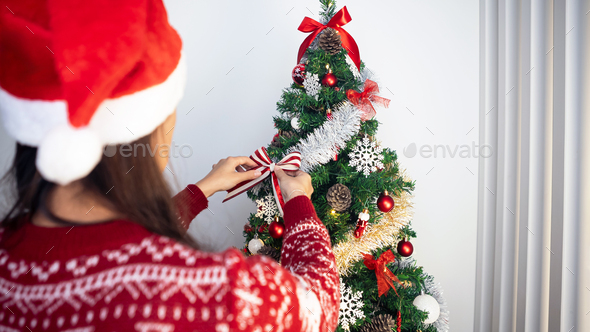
(322, 145)
(435, 290)
(353, 69)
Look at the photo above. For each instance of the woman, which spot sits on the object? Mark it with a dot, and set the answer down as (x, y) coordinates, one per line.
(93, 242)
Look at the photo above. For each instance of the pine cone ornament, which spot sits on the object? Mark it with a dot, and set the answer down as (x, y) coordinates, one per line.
(381, 323)
(270, 252)
(330, 41)
(339, 197)
(277, 140)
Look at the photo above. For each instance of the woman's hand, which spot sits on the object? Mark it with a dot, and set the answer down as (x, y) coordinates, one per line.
(294, 184)
(226, 174)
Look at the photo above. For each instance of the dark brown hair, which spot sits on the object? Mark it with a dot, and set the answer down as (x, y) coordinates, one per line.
(132, 185)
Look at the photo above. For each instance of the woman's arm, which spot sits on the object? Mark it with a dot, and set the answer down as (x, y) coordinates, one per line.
(189, 203)
(224, 175)
(301, 295)
(307, 253)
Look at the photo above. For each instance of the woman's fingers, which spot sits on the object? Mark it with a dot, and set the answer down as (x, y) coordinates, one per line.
(294, 183)
(242, 160)
(241, 169)
(228, 172)
(280, 173)
(249, 175)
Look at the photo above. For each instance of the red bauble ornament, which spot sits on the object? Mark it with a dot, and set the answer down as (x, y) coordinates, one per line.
(262, 228)
(385, 203)
(405, 248)
(329, 80)
(362, 223)
(298, 73)
(248, 228)
(276, 229)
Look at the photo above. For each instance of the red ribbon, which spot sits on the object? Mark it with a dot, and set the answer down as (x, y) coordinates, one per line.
(340, 18)
(290, 162)
(385, 277)
(364, 100)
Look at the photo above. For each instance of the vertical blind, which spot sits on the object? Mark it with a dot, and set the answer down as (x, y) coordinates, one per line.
(533, 255)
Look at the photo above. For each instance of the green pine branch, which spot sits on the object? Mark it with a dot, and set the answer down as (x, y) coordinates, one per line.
(328, 9)
(311, 112)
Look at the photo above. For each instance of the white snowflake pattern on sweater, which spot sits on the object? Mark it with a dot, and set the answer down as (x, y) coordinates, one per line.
(157, 284)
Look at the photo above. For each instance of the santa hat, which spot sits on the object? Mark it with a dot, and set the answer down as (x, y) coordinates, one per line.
(78, 75)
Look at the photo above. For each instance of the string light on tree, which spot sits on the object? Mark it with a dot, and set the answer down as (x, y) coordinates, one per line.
(330, 111)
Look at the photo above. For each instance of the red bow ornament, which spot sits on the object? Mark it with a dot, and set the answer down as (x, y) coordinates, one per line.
(364, 100)
(340, 18)
(385, 277)
(290, 162)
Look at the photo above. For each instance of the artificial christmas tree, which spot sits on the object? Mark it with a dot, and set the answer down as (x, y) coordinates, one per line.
(360, 193)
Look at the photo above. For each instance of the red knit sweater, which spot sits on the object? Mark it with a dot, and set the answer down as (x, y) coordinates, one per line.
(117, 276)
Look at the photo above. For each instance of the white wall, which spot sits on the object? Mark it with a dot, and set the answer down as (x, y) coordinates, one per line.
(424, 52)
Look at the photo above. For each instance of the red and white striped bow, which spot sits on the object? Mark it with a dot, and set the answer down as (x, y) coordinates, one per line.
(290, 162)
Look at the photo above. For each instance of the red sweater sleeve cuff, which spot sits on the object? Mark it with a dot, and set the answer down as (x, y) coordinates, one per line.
(297, 209)
(189, 203)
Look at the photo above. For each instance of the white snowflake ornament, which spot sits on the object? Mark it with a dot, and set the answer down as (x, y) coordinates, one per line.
(312, 85)
(350, 306)
(366, 156)
(267, 208)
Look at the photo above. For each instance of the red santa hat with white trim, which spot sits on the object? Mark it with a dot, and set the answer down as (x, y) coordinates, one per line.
(76, 76)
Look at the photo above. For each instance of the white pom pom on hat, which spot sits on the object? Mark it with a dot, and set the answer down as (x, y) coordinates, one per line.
(69, 102)
(67, 154)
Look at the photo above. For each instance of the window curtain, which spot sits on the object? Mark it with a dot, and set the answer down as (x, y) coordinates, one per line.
(533, 253)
